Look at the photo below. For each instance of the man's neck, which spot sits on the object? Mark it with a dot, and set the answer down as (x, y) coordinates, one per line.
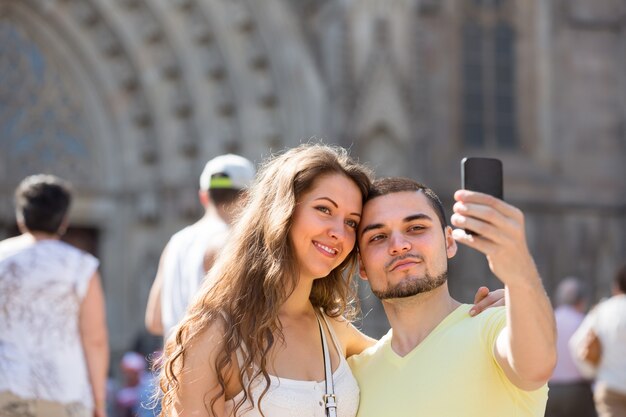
(414, 318)
(39, 236)
(211, 213)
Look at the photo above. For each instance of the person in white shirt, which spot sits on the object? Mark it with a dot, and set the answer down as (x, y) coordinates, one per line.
(570, 392)
(54, 351)
(190, 252)
(608, 322)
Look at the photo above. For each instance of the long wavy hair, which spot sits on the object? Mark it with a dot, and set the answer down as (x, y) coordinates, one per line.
(257, 271)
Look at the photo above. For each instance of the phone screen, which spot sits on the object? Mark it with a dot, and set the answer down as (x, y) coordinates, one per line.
(483, 175)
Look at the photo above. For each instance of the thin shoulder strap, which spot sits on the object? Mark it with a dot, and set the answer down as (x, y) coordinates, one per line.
(239, 352)
(330, 402)
(240, 361)
(333, 336)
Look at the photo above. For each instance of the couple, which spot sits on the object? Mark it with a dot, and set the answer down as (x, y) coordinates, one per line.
(250, 343)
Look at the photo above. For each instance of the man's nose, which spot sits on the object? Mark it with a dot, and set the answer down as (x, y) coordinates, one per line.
(398, 244)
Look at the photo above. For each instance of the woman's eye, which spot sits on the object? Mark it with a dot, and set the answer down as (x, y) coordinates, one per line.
(323, 209)
(352, 224)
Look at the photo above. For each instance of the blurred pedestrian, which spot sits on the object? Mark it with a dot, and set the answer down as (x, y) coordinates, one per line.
(570, 392)
(190, 253)
(53, 339)
(605, 327)
(127, 398)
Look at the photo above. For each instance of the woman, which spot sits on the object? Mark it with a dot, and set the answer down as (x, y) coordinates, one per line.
(53, 339)
(250, 344)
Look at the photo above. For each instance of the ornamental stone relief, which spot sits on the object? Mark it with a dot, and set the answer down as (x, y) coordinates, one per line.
(44, 127)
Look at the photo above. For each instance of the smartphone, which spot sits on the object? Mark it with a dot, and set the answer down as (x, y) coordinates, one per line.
(483, 175)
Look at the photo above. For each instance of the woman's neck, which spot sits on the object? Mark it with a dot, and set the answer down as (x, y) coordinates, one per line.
(298, 301)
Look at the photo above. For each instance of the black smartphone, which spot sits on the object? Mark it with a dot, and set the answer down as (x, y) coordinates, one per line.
(483, 175)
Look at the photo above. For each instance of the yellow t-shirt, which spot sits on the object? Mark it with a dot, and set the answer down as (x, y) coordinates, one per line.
(451, 373)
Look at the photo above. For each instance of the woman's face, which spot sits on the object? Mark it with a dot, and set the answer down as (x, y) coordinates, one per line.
(324, 225)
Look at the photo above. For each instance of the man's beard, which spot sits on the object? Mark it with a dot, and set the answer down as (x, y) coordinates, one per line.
(413, 285)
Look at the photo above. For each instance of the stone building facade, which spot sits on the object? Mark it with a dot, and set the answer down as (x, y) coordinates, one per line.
(128, 98)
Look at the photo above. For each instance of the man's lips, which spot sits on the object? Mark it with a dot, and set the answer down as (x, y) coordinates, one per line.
(404, 263)
(401, 265)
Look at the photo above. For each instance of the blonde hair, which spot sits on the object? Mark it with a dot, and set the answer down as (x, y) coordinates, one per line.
(257, 271)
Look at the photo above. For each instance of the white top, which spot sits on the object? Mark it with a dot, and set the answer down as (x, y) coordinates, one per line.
(42, 286)
(183, 267)
(567, 321)
(608, 321)
(296, 398)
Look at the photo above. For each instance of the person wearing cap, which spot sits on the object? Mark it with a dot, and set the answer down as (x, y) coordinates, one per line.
(190, 252)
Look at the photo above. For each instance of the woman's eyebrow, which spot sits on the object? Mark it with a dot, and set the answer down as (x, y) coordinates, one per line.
(328, 199)
(335, 204)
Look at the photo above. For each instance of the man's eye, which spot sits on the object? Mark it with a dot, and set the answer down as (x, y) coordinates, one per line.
(323, 209)
(376, 238)
(416, 228)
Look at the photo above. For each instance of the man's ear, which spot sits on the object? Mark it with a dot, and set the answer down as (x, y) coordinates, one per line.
(203, 196)
(64, 225)
(21, 227)
(362, 273)
(451, 246)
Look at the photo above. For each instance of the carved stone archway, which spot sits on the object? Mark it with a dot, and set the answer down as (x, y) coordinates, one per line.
(127, 99)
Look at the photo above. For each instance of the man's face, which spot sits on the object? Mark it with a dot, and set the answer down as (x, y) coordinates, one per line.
(404, 250)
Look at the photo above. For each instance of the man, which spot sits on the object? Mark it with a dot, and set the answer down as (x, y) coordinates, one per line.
(570, 392)
(608, 323)
(436, 361)
(190, 253)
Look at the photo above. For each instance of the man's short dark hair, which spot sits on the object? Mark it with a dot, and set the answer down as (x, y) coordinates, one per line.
(384, 186)
(41, 203)
(224, 196)
(620, 278)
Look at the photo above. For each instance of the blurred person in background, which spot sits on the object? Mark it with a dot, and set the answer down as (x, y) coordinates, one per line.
(128, 396)
(570, 392)
(606, 323)
(190, 253)
(54, 351)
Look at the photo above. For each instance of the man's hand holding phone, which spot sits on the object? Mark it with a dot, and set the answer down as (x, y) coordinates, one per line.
(488, 224)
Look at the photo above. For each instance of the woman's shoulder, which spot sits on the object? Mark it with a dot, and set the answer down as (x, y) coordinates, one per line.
(352, 339)
(200, 346)
(13, 245)
(200, 334)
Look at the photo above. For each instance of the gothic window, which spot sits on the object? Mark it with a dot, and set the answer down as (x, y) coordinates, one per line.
(488, 75)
